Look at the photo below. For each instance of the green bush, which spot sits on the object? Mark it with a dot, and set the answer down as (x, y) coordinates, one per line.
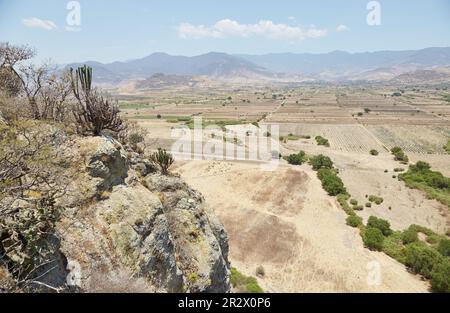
(380, 224)
(440, 277)
(322, 141)
(354, 221)
(433, 239)
(399, 155)
(296, 159)
(342, 199)
(409, 236)
(422, 229)
(320, 161)
(331, 183)
(242, 283)
(447, 147)
(444, 247)
(434, 184)
(376, 199)
(293, 137)
(421, 258)
(373, 238)
(393, 247)
(374, 152)
(354, 202)
(368, 204)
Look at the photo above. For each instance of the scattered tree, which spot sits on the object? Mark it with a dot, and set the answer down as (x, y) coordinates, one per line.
(320, 161)
(373, 239)
(383, 225)
(296, 159)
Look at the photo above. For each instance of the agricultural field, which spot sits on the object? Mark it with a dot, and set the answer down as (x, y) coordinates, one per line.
(360, 126)
(413, 138)
(353, 119)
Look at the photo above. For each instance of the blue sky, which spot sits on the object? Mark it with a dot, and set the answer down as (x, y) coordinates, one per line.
(127, 29)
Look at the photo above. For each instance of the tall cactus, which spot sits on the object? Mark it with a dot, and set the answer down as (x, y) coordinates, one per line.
(94, 111)
(84, 76)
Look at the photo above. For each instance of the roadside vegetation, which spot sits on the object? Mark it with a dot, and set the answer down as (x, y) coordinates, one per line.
(434, 184)
(289, 137)
(429, 258)
(220, 123)
(296, 159)
(320, 162)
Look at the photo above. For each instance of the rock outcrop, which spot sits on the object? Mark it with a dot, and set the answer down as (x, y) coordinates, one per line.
(126, 228)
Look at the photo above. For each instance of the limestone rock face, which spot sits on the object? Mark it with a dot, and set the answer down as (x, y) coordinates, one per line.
(141, 233)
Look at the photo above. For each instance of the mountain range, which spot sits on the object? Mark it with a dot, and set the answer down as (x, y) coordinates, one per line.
(333, 66)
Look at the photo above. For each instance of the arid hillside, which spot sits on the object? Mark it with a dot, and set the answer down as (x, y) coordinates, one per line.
(285, 222)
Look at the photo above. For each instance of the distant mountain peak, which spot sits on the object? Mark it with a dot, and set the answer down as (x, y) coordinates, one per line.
(337, 65)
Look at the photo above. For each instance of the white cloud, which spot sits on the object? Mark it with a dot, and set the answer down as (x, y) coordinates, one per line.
(342, 28)
(35, 22)
(291, 18)
(229, 28)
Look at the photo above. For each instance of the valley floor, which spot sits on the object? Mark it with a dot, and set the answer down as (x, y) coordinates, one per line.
(286, 223)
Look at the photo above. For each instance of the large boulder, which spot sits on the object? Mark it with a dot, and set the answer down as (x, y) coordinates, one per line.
(141, 233)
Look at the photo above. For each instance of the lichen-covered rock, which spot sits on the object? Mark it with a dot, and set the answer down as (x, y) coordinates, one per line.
(201, 245)
(109, 163)
(155, 230)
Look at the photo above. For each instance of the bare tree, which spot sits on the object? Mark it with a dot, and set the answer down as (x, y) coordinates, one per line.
(12, 55)
(53, 97)
(32, 78)
(31, 179)
(9, 83)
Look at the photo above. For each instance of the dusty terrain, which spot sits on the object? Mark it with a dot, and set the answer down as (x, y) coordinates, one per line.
(282, 219)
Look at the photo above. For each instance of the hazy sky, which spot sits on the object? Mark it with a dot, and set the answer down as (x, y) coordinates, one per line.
(113, 30)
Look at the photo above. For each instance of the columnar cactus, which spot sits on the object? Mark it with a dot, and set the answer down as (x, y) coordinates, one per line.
(94, 113)
(84, 75)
